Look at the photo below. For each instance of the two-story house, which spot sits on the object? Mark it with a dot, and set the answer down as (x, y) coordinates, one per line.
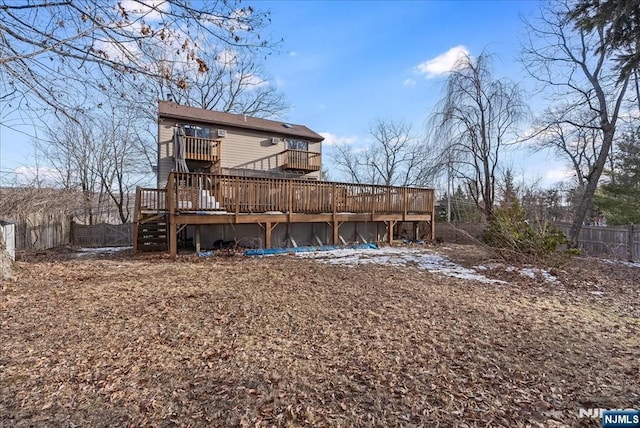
(214, 142)
(256, 182)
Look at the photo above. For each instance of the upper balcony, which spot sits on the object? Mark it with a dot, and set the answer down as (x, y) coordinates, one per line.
(300, 160)
(201, 149)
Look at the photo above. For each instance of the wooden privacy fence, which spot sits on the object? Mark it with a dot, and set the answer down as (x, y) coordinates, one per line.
(620, 242)
(101, 235)
(39, 231)
(192, 191)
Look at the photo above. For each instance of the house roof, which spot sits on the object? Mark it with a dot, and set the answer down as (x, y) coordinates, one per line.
(172, 110)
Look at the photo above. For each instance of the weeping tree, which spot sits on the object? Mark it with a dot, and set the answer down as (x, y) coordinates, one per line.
(473, 122)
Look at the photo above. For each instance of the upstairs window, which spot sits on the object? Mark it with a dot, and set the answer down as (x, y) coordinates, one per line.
(197, 131)
(298, 145)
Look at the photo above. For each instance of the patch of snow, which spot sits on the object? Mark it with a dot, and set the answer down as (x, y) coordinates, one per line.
(85, 251)
(624, 263)
(548, 277)
(597, 293)
(528, 272)
(401, 257)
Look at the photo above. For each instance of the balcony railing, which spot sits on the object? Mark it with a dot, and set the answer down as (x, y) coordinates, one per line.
(203, 149)
(151, 199)
(300, 160)
(211, 192)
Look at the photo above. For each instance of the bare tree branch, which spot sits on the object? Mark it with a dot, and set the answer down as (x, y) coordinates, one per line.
(577, 64)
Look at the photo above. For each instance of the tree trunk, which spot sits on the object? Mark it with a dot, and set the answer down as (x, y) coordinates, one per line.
(590, 189)
(5, 260)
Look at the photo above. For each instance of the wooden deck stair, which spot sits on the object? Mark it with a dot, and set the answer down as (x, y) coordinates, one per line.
(152, 233)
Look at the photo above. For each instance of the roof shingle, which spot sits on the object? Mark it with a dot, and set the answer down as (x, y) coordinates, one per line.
(172, 110)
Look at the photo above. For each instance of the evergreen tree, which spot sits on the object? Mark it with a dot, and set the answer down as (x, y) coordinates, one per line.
(620, 20)
(509, 192)
(620, 200)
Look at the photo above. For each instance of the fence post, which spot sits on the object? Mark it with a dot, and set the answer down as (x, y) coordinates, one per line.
(630, 243)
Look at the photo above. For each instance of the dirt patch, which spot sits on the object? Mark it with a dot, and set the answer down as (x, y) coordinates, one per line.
(121, 341)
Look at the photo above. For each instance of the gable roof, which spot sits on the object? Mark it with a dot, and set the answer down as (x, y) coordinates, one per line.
(172, 110)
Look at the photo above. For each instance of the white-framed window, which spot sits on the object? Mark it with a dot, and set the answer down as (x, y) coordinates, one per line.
(298, 145)
(197, 131)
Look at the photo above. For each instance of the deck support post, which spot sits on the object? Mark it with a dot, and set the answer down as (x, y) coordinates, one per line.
(171, 204)
(173, 236)
(433, 228)
(390, 225)
(197, 238)
(136, 222)
(268, 228)
(267, 235)
(416, 231)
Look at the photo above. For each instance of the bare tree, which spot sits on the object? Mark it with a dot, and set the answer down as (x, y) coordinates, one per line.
(70, 151)
(577, 66)
(394, 158)
(118, 164)
(98, 155)
(572, 135)
(234, 82)
(53, 52)
(473, 122)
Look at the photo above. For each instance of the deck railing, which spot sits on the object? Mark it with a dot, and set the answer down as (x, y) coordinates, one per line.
(300, 160)
(211, 192)
(205, 149)
(152, 199)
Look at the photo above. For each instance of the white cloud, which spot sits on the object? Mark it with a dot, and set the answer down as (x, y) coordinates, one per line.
(152, 10)
(293, 53)
(407, 83)
(28, 174)
(444, 63)
(251, 81)
(331, 139)
(228, 57)
(558, 174)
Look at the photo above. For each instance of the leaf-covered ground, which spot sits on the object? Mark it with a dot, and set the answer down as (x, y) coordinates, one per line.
(287, 341)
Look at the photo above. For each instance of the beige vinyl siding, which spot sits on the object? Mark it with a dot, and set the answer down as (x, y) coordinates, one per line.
(165, 150)
(241, 149)
(249, 150)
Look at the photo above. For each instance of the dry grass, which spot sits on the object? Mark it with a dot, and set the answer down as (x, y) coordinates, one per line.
(118, 341)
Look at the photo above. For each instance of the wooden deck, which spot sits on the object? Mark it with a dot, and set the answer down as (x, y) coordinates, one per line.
(203, 149)
(198, 199)
(300, 160)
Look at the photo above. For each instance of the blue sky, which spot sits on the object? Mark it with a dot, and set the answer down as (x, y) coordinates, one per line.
(343, 63)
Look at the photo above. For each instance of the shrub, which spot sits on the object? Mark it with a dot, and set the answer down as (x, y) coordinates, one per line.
(515, 238)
